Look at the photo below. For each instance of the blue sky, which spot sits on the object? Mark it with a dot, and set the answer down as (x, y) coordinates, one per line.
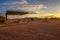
(44, 5)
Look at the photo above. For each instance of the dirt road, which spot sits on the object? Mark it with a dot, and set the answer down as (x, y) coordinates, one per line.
(30, 31)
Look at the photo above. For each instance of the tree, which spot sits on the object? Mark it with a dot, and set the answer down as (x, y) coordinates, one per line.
(2, 19)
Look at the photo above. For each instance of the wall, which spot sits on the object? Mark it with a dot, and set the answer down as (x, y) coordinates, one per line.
(14, 16)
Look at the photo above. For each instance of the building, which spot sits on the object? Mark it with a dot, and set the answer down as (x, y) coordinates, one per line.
(14, 15)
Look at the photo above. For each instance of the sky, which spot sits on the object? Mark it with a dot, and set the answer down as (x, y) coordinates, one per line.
(41, 7)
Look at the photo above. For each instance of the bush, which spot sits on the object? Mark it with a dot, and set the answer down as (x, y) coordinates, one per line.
(2, 19)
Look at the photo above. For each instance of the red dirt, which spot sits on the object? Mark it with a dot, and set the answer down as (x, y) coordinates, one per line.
(32, 30)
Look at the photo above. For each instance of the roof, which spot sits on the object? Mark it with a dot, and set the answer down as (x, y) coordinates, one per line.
(15, 13)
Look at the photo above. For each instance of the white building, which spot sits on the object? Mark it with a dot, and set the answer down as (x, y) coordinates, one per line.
(14, 15)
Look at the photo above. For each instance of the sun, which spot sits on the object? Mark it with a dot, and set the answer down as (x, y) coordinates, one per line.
(37, 12)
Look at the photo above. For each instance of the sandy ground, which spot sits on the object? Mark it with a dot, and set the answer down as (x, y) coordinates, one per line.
(32, 30)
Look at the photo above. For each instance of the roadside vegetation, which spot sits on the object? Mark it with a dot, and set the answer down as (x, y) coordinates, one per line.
(2, 19)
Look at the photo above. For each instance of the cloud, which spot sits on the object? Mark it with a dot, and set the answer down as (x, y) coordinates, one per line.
(28, 7)
(22, 2)
(23, 5)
